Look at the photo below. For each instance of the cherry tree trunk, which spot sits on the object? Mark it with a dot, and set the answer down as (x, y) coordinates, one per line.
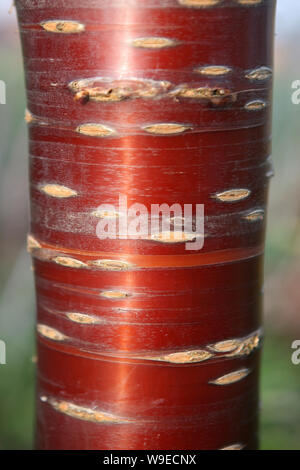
(144, 343)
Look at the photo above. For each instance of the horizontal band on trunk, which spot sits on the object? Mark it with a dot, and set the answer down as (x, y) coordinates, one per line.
(111, 261)
(60, 343)
(93, 414)
(145, 4)
(228, 349)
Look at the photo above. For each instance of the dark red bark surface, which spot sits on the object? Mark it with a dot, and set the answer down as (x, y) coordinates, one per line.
(107, 333)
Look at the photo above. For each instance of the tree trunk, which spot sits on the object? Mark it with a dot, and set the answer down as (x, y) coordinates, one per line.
(149, 342)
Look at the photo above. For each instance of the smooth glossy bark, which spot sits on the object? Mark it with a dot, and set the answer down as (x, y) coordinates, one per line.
(143, 344)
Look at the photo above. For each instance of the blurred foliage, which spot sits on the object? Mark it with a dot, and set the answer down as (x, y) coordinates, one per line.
(16, 283)
(280, 418)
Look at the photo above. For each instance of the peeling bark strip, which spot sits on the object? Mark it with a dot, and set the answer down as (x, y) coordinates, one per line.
(215, 95)
(102, 89)
(143, 344)
(109, 90)
(105, 90)
(230, 348)
(234, 348)
(140, 262)
(238, 347)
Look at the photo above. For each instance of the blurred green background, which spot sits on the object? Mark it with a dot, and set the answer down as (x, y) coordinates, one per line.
(280, 417)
